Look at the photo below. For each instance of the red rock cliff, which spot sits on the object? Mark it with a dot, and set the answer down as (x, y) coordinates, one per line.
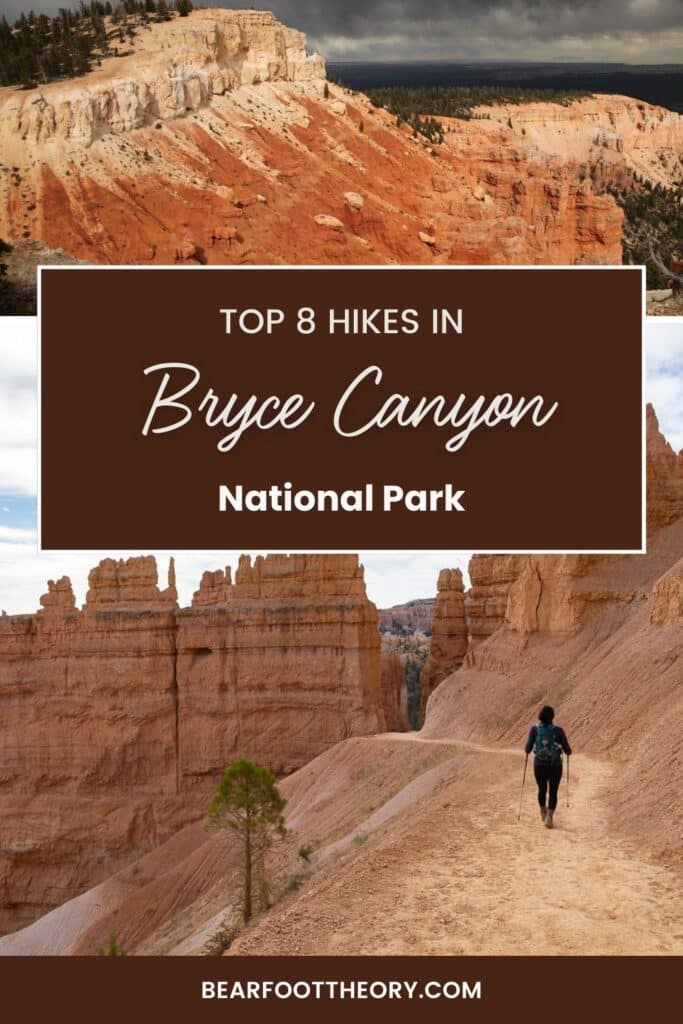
(283, 663)
(664, 477)
(537, 592)
(513, 597)
(599, 638)
(411, 617)
(449, 634)
(217, 142)
(394, 692)
(117, 720)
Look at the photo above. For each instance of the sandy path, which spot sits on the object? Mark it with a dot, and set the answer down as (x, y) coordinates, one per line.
(459, 875)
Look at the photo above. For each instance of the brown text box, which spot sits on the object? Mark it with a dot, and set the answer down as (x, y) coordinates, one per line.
(572, 336)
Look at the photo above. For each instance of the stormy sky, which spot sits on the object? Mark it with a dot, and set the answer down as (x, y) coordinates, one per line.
(632, 31)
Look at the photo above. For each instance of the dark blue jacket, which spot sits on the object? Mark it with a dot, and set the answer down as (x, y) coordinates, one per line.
(558, 733)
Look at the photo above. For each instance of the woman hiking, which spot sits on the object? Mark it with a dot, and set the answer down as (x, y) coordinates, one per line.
(547, 742)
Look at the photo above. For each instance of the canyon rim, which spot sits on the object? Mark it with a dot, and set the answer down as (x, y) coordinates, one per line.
(217, 139)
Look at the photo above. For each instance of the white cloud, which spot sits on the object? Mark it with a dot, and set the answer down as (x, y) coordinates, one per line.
(17, 469)
(664, 341)
(15, 535)
(396, 577)
(17, 406)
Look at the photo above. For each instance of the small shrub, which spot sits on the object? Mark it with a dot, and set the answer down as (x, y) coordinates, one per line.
(220, 940)
(306, 851)
(111, 949)
(295, 883)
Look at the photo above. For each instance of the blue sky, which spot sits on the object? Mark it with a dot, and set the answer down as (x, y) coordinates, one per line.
(391, 578)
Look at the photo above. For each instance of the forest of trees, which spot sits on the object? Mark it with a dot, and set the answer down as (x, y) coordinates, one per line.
(653, 231)
(419, 106)
(6, 289)
(654, 214)
(459, 100)
(38, 49)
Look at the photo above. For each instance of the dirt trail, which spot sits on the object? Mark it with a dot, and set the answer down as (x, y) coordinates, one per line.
(411, 737)
(459, 875)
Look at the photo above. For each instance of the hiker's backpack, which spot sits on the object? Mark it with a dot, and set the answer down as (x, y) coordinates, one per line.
(546, 747)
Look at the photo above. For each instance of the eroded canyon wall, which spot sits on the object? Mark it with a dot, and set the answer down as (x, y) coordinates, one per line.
(116, 720)
(448, 644)
(177, 67)
(395, 691)
(664, 477)
(551, 593)
(218, 141)
(411, 617)
(521, 604)
(283, 662)
(601, 639)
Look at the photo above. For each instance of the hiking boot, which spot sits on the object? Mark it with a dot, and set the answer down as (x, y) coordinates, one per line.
(549, 818)
(543, 813)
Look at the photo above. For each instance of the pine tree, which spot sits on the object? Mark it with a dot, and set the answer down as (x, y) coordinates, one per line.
(249, 803)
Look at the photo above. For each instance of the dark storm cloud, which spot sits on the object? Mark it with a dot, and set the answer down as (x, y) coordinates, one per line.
(361, 17)
(628, 30)
(538, 29)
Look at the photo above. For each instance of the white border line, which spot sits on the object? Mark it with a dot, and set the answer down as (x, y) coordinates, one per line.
(393, 267)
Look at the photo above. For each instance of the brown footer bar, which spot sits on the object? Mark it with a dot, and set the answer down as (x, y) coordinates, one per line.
(170, 989)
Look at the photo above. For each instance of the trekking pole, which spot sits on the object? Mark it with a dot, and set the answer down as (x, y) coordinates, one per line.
(568, 760)
(519, 812)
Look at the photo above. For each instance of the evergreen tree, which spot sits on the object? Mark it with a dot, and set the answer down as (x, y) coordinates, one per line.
(36, 49)
(249, 803)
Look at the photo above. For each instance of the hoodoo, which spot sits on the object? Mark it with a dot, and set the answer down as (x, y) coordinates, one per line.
(118, 718)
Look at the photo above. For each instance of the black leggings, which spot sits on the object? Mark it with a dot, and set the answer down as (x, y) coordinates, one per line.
(548, 777)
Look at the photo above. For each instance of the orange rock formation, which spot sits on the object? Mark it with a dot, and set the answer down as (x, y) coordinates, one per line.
(281, 664)
(599, 637)
(411, 617)
(217, 142)
(546, 593)
(664, 477)
(394, 692)
(449, 634)
(117, 720)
